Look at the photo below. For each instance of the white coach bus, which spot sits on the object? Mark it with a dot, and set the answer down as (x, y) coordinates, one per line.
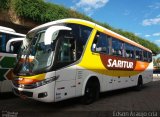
(73, 57)
(8, 51)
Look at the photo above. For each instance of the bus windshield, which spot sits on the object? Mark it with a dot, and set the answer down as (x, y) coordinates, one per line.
(37, 55)
(51, 47)
(42, 54)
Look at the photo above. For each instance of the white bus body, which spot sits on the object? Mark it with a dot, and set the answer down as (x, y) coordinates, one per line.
(72, 57)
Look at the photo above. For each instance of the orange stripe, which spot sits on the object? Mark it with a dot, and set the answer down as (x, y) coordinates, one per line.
(28, 60)
(141, 66)
(27, 81)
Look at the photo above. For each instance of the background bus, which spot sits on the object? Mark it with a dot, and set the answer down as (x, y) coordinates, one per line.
(72, 57)
(8, 55)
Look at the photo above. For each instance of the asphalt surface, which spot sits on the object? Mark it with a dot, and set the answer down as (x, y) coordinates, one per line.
(146, 100)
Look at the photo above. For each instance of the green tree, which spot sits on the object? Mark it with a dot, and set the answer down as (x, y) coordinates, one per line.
(41, 11)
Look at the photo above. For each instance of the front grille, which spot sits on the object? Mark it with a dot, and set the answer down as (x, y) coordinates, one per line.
(24, 93)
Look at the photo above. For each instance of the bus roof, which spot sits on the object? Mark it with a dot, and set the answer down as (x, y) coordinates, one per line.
(10, 31)
(91, 24)
(68, 20)
(6, 29)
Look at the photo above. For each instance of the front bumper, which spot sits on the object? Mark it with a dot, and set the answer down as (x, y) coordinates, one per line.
(44, 93)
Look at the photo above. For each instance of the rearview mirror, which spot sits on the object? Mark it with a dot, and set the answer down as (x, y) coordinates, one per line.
(50, 31)
(8, 45)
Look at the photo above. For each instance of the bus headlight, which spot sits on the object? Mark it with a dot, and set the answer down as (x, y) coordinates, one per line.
(40, 83)
(45, 81)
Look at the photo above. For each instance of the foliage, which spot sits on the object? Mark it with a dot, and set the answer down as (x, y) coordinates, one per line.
(41, 11)
(4, 4)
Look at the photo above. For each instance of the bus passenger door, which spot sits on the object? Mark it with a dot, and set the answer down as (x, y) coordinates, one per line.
(66, 70)
(65, 84)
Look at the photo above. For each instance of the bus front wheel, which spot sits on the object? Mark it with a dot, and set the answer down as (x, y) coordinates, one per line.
(92, 91)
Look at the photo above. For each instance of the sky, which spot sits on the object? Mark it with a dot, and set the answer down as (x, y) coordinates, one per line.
(141, 17)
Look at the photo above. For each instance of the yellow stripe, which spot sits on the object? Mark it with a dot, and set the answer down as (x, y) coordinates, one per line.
(99, 29)
(92, 61)
(81, 22)
(35, 77)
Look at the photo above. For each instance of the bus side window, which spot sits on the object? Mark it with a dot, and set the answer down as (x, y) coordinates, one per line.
(15, 47)
(149, 57)
(3, 42)
(145, 58)
(139, 54)
(67, 50)
(81, 34)
(117, 47)
(100, 43)
(0, 42)
(129, 51)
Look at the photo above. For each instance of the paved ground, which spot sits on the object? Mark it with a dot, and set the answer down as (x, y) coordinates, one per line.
(121, 100)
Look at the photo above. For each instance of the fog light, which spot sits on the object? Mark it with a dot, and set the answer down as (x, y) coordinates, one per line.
(42, 95)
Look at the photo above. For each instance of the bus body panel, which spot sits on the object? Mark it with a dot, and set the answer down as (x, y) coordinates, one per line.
(6, 86)
(7, 61)
(82, 77)
(148, 73)
(66, 83)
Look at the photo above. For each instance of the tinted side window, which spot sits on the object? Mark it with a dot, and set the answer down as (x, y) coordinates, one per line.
(145, 58)
(84, 33)
(81, 34)
(3, 41)
(4, 38)
(66, 50)
(15, 47)
(100, 43)
(129, 51)
(139, 54)
(149, 57)
(70, 44)
(117, 47)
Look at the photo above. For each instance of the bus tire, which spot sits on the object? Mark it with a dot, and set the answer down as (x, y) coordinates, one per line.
(139, 84)
(92, 91)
